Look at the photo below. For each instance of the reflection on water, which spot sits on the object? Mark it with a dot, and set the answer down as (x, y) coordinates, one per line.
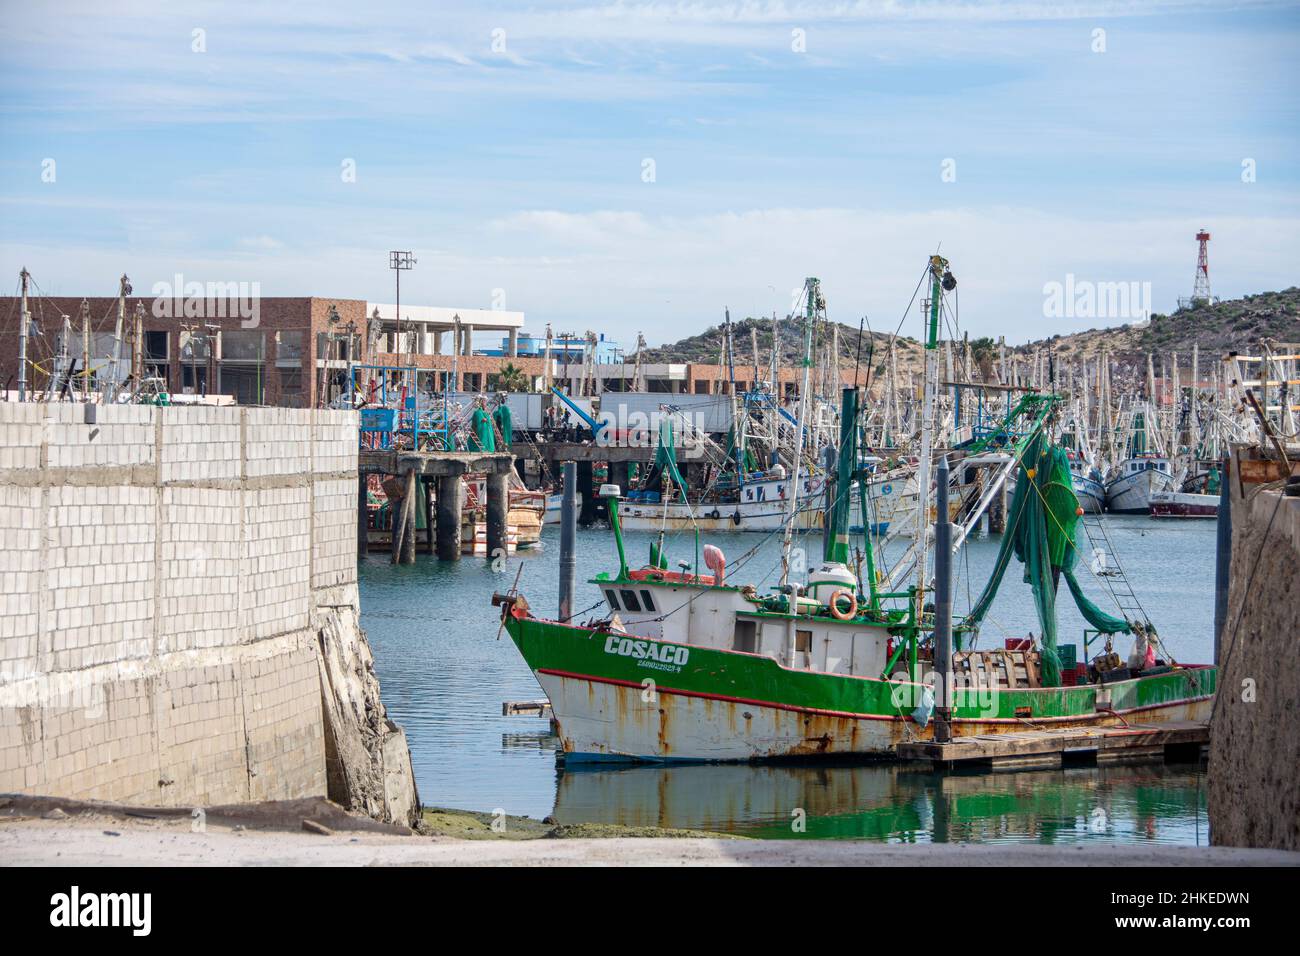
(444, 674)
(896, 803)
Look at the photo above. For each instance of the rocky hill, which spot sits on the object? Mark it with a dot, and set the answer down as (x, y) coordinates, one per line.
(707, 346)
(1234, 325)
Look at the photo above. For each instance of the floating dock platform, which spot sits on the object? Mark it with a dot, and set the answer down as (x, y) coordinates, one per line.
(1046, 749)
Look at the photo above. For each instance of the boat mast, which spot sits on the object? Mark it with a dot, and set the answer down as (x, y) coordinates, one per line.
(114, 383)
(940, 278)
(812, 288)
(24, 329)
(736, 452)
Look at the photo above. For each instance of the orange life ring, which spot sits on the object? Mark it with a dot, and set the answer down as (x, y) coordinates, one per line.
(835, 608)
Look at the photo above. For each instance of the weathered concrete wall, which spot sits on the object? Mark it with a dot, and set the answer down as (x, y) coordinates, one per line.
(1254, 772)
(172, 582)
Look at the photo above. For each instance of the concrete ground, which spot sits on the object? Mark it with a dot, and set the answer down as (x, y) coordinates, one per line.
(102, 840)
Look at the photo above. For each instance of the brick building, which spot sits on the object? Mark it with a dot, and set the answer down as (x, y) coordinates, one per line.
(283, 356)
(296, 351)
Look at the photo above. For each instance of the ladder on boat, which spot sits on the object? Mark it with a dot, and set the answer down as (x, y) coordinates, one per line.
(1105, 565)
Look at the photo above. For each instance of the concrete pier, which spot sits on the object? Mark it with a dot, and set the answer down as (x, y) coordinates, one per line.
(429, 516)
(448, 523)
(446, 468)
(1253, 792)
(587, 493)
(497, 505)
(182, 621)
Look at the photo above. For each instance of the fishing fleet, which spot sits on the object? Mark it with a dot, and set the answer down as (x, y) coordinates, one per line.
(860, 652)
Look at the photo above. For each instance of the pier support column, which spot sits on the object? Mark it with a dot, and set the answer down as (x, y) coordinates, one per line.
(410, 506)
(587, 492)
(448, 525)
(568, 535)
(618, 475)
(429, 517)
(363, 518)
(397, 515)
(497, 505)
(998, 511)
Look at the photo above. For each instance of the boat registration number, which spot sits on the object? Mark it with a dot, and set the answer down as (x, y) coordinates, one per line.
(666, 657)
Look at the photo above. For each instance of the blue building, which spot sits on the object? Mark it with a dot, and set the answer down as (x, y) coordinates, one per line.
(565, 348)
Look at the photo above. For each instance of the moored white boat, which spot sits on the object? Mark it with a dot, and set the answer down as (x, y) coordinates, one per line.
(1089, 490)
(1135, 481)
(760, 506)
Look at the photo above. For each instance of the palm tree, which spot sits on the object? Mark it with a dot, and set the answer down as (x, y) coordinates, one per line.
(512, 379)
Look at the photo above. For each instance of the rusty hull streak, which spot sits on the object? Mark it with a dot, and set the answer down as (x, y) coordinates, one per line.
(664, 748)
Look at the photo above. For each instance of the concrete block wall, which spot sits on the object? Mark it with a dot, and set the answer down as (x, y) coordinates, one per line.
(1253, 793)
(161, 581)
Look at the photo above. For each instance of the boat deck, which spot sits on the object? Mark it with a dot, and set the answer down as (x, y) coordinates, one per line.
(1051, 748)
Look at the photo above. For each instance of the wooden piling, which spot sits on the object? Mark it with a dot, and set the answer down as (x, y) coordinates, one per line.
(410, 506)
(397, 525)
(448, 523)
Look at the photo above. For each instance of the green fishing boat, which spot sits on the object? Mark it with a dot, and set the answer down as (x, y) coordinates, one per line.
(684, 665)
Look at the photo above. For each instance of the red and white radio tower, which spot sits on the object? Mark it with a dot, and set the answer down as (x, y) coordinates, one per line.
(1201, 291)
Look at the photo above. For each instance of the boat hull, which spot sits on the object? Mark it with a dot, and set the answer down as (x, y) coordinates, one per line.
(1131, 494)
(677, 702)
(1177, 504)
(762, 507)
(1091, 494)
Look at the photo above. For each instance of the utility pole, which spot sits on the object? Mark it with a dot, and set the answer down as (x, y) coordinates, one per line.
(400, 262)
(24, 328)
(546, 360)
(455, 353)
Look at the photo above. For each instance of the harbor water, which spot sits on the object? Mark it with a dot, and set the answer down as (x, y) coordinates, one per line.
(446, 668)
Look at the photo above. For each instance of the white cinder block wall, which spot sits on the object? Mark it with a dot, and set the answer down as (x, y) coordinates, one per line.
(159, 574)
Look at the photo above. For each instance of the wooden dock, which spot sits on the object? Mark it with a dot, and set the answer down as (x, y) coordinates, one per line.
(526, 708)
(1045, 749)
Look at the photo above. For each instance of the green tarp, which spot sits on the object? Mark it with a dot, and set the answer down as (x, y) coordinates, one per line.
(666, 454)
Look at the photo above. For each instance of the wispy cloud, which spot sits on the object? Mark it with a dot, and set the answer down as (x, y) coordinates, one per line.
(508, 142)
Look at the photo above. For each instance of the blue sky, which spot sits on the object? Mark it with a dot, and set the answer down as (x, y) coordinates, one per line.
(505, 143)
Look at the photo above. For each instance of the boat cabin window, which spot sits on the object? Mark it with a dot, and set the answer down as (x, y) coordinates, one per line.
(803, 642)
(746, 637)
(630, 602)
(613, 601)
(647, 600)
